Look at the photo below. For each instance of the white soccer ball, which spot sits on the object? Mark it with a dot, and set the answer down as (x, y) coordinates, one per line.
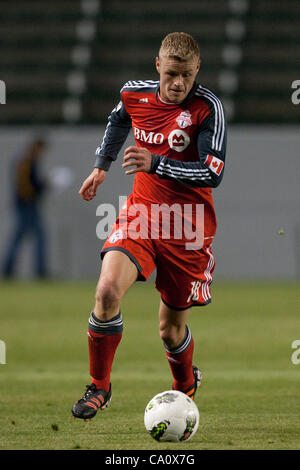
(171, 416)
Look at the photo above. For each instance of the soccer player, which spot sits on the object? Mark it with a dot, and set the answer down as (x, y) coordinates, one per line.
(180, 136)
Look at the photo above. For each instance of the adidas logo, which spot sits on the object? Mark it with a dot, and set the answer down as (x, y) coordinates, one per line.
(143, 100)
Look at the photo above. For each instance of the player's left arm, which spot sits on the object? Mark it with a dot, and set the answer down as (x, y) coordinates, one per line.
(208, 170)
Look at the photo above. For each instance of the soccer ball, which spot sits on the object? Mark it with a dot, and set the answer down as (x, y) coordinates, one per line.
(171, 416)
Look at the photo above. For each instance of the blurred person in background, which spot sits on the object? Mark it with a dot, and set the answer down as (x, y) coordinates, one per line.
(28, 188)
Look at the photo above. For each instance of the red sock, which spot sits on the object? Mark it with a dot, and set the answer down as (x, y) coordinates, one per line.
(181, 364)
(102, 350)
(103, 340)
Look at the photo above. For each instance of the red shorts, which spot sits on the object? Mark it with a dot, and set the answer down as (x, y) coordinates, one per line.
(183, 277)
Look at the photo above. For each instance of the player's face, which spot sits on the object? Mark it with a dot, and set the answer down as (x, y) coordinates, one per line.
(176, 78)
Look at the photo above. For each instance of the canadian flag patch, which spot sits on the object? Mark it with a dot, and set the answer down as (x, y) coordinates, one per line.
(214, 164)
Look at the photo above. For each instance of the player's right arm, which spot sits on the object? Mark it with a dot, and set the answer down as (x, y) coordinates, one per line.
(89, 187)
(116, 132)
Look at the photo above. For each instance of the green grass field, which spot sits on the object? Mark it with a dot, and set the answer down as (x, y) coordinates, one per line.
(250, 394)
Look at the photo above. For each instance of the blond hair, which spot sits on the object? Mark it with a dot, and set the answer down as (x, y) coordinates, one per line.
(180, 46)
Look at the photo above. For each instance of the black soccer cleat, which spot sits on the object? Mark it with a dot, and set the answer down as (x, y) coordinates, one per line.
(93, 400)
(198, 376)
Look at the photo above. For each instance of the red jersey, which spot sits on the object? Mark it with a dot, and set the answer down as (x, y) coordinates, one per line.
(187, 142)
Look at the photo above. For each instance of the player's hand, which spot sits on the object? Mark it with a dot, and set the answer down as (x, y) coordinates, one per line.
(89, 187)
(139, 157)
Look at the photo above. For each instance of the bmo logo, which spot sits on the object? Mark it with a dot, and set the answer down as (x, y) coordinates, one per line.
(150, 137)
(178, 140)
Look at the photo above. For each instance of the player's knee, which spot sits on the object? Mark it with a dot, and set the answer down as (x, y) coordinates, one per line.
(170, 334)
(108, 294)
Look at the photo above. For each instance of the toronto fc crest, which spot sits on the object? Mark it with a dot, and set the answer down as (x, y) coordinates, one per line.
(184, 119)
